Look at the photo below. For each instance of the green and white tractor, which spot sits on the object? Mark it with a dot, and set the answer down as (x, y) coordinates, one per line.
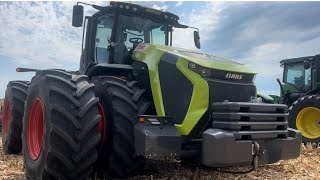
(300, 91)
(136, 97)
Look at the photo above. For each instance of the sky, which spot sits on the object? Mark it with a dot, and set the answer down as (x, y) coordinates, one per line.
(257, 34)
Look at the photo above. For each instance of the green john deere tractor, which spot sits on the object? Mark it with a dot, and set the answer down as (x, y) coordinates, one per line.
(300, 91)
(136, 97)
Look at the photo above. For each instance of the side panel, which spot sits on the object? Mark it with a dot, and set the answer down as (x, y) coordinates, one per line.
(199, 101)
(175, 87)
(151, 56)
(287, 88)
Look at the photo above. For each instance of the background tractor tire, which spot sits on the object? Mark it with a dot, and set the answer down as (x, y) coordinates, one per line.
(121, 101)
(15, 97)
(307, 104)
(60, 126)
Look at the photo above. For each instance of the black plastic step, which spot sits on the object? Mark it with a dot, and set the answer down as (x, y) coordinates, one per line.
(239, 116)
(253, 135)
(249, 107)
(243, 126)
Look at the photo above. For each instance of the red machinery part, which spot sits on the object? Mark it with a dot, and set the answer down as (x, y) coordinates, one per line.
(35, 129)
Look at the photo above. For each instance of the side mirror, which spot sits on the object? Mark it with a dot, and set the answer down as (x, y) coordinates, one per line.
(306, 64)
(77, 16)
(196, 37)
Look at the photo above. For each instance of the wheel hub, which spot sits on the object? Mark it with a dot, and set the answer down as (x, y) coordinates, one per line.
(35, 129)
(6, 121)
(308, 122)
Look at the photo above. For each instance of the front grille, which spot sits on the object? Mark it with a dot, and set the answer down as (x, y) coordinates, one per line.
(221, 91)
(251, 121)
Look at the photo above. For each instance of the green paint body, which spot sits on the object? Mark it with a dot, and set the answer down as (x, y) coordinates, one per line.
(267, 98)
(288, 88)
(199, 100)
(151, 54)
(272, 99)
(275, 99)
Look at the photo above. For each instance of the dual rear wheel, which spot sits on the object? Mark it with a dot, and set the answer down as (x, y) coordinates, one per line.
(60, 126)
(120, 101)
(71, 126)
(13, 110)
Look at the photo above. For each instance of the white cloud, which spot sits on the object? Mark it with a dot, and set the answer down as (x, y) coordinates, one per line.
(160, 7)
(205, 19)
(266, 57)
(39, 33)
(265, 60)
(179, 3)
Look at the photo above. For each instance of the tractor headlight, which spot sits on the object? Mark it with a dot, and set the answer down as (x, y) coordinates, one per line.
(199, 69)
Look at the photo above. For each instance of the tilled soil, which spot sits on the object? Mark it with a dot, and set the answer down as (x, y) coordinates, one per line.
(11, 166)
(307, 166)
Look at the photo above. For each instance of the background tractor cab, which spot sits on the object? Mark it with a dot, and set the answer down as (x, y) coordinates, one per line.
(115, 31)
(301, 76)
(300, 91)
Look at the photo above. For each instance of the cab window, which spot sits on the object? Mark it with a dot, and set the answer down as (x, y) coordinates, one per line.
(131, 31)
(298, 76)
(103, 39)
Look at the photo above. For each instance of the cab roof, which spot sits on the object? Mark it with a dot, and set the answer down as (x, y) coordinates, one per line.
(296, 60)
(139, 10)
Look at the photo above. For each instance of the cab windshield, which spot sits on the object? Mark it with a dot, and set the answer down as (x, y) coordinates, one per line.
(132, 30)
(298, 76)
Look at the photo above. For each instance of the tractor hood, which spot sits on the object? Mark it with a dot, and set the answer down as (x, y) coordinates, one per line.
(143, 52)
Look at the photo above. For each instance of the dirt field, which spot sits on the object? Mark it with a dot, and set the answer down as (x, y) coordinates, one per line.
(307, 166)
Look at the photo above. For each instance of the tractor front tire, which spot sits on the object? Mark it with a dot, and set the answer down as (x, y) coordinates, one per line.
(304, 115)
(60, 126)
(15, 97)
(121, 101)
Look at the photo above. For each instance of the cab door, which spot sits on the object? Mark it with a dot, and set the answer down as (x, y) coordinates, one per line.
(97, 42)
(103, 34)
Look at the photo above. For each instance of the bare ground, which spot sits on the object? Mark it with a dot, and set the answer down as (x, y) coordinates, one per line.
(307, 166)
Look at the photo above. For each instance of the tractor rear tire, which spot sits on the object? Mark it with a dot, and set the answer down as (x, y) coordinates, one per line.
(15, 97)
(121, 101)
(298, 117)
(60, 126)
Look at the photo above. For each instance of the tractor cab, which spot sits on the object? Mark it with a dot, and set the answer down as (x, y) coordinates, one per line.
(115, 31)
(300, 77)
